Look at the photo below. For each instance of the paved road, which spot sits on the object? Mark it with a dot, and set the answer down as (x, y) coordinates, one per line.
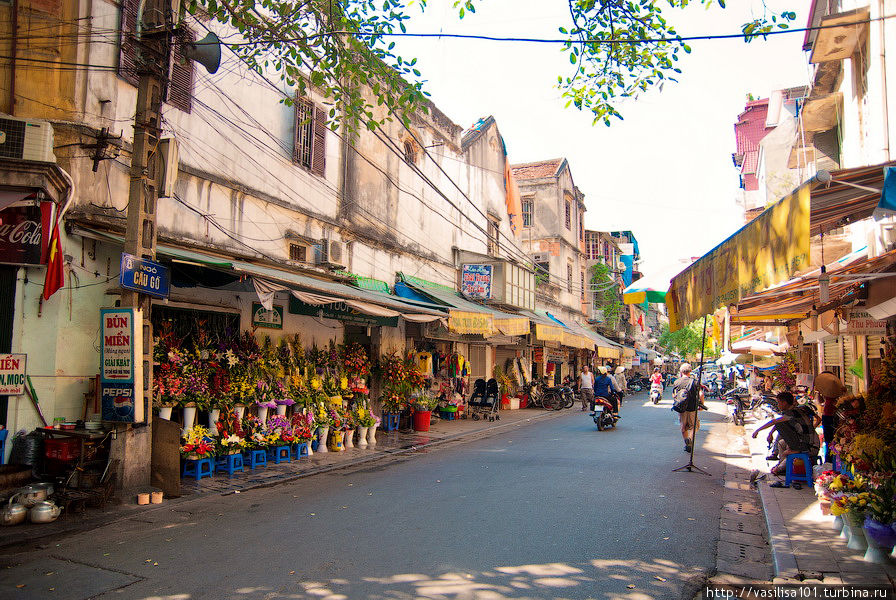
(553, 509)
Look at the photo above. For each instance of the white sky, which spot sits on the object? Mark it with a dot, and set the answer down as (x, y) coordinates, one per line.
(665, 171)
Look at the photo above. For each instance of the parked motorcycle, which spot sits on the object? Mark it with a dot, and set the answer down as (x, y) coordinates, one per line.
(604, 415)
(656, 392)
(634, 385)
(738, 399)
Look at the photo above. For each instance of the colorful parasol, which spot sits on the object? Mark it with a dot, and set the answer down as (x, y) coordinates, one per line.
(643, 291)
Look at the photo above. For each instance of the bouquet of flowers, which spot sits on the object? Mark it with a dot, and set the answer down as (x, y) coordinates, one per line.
(425, 402)
(263, 396)
(197, 443)
(168, 385)
(824, 482)
(337, 418)
(303, 426)
(321, 415)
(279, 429)
(852, 505)
(365, 417)
(393, 402)
(354, 360)
(349, 422)
(254, 432)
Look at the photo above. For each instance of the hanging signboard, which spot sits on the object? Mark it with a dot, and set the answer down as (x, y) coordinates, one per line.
(144, 276)
(271, 319)
(341, 312)
(21, 233)
(538, 355)
(476, 281)
(12, 374)
(557, 356)
(121, 366)
(859, 322)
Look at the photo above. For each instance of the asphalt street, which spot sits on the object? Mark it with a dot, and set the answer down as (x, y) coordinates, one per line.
(550, 509)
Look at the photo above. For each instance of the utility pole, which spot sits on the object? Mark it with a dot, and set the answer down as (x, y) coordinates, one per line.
(133, 444)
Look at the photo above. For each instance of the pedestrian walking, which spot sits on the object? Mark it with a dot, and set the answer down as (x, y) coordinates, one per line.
(829, 389)
(586, 387)
(686, 392)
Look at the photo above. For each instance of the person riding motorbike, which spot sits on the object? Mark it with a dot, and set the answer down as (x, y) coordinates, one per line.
(605, 386)
(656, 385)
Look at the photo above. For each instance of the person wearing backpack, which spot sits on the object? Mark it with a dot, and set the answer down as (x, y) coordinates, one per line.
(687, 398)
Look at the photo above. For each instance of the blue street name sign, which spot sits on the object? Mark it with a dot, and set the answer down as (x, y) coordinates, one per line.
(144, 276)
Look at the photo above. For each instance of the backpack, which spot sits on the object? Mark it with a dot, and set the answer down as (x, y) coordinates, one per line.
(684, 397)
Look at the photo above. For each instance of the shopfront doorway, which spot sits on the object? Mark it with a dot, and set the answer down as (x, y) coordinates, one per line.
(7, 311)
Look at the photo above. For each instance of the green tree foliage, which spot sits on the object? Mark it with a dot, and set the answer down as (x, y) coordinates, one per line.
(616, 48)
(606, 294)
(686, 341)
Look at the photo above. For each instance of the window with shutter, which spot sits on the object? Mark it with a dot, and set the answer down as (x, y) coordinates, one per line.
(310, 143)
(180, 85)
(127, 49)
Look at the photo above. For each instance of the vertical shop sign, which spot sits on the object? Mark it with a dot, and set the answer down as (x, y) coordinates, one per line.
(12, 374)
(119, 372)
(21, 234)
(476, 281)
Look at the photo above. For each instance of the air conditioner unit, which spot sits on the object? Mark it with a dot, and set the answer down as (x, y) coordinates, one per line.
(331, 254)
(26, 139)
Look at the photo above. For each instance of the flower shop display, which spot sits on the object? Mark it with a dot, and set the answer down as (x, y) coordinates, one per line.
(197, 443)
(423, 406)
(365, 420)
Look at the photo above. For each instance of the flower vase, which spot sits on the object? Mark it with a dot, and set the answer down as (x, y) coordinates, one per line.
(262, 413)
(856, 535)
(165, 412)
(322, 439)
(347, 438)
(240, 411)
(881, 539)
(335, 441)
(371, 436)
(281, 410)
(824, 504)
(840, 528)
(362, 437)
(189, 417)
(310, 451)
(213, 415)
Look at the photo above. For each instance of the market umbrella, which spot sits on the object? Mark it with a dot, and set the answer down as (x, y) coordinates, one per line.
(755, 347)
(643, 291)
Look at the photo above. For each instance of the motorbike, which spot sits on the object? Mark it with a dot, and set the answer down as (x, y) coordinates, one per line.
(558, 398)
(656, 392)
(739, 401)
(713, 388)
(764, 406)
(634, 385)
(604, 415)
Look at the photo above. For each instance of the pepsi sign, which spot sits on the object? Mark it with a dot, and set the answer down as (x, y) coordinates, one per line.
(118, 402)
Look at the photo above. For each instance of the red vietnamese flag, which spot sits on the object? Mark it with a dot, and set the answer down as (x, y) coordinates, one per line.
(55, 273)
(641, 321)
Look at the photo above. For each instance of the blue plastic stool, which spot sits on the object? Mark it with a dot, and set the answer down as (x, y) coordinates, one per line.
(280, 454)
(300, 450)
(198, 468)
(3, 434)
(790, 476)
(229, 463)
(256, 458)
(390, 421)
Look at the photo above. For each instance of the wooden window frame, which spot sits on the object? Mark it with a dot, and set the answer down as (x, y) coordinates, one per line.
(527, 214)
(310, 136)
(568, 214)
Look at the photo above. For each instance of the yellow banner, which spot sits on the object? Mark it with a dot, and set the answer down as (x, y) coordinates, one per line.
(469, 323)
(607, 352)
(548, 333)
(516, 326)
(768, 250)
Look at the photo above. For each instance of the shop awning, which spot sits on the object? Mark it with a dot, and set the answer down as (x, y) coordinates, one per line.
(773, 247)
(270, 280)
(794, 299)
(466, 317)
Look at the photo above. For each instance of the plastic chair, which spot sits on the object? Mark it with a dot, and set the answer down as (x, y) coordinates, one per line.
(229, 463)
(300, 450)
(280, 454)
(3, 434)
(790, 476)
(198, 468)
(256, 458)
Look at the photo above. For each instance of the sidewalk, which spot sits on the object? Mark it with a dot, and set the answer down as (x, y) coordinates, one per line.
(389, 446)
(805, 547)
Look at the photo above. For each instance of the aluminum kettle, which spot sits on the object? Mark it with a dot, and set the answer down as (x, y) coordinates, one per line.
(44, 512)
(13, 513)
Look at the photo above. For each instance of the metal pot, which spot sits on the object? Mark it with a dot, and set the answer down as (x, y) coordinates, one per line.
(32, 494)
(44, 512)
(13, 513)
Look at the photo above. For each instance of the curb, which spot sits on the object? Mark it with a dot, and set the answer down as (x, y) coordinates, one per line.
(126, 511)
(783, 555)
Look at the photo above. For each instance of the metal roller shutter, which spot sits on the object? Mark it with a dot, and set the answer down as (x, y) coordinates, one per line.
(832, 352)
(874, 346)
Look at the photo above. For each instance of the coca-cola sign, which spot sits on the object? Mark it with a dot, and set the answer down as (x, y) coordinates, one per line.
(21, 234)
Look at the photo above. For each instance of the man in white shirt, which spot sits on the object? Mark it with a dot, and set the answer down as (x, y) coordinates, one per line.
(586, 387)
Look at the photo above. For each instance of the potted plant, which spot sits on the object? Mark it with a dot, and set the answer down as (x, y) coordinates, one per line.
(423, 405)
(366, 420)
